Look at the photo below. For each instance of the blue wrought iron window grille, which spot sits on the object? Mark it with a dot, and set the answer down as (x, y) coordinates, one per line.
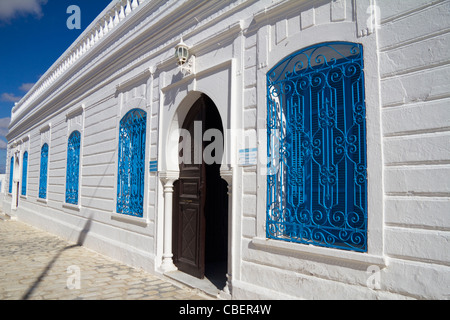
(317, 181)
(11, 175)
(43, 172)
(131, 165)
(73, 168)
(24, 173)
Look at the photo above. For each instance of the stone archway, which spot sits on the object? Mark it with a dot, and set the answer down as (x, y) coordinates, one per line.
(200, 208)
(216, 228)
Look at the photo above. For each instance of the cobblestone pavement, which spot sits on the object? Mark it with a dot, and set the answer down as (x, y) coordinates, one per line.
(35, 265)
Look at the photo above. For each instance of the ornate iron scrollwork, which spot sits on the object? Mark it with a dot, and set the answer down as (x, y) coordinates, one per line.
(73, 168)
(317, 181)
(11, 175)
(24, 173)
(131, 169)
(43, 172)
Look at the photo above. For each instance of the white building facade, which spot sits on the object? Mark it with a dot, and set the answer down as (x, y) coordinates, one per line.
(313, 138)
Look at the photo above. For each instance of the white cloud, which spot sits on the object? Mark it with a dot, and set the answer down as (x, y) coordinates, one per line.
(26, 86)
(4, 123)
(9, 9)
(9, 97)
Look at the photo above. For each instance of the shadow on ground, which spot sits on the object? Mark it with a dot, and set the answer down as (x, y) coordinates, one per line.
(80, 242)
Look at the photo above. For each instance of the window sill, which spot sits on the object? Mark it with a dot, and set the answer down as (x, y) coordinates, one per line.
(310, 250)
(129, 219)
(41, 200)
(75, 207)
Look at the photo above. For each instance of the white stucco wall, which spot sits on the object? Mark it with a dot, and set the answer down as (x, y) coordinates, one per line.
(414, 77)
(236, 43)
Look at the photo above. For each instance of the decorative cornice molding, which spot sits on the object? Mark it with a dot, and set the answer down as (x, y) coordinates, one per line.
(26, 138)
(278, 8)
(129, 82)
(77, 111)
(45, 128)
(169, 176)
(366, 17)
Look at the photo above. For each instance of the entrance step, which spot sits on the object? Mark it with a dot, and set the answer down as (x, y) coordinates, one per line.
(205, 285)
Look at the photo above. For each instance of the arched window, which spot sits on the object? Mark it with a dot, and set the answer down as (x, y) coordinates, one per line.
(24, 173)
(11, 175)
(317, 182)
(73, 168)
(131, 165)
(43, 172)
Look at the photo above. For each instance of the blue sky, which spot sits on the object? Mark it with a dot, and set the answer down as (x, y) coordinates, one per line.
(33, 35)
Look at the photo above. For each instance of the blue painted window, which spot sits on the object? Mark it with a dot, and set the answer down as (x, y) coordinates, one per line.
(24, 173)
(317, 182)
(43, 172)
(11, 175)
(131, 165)
(73, 168)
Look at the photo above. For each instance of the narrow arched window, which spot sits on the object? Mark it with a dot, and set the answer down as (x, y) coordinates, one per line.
(24, 173)
(73, 168)
(43, 172)
(317, 182)
(11, 175)
(131, 164)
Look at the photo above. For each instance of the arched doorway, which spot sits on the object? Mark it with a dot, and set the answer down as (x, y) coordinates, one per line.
(200, 208)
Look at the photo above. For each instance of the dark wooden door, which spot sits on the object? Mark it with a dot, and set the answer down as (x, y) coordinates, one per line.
(189, 197)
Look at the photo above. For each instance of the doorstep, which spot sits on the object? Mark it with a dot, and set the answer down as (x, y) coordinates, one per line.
(204, 285)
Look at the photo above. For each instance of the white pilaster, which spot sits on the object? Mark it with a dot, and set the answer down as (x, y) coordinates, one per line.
(168, 178)
(227, 175)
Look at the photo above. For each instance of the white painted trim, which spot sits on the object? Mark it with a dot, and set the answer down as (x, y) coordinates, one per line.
(72, 206)
(341, 31)
(310, 250)
(134, 79)
(79, 111)
(123, 108)
(143, 222)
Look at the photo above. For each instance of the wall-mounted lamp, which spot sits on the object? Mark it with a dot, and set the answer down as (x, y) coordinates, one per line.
(182, 53)
(185, 60)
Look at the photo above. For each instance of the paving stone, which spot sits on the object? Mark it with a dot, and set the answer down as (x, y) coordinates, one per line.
(36, 265)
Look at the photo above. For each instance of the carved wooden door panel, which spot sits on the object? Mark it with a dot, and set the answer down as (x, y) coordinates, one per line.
(189, 198)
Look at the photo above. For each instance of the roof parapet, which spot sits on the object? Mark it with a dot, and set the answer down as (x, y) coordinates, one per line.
(113, 15)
